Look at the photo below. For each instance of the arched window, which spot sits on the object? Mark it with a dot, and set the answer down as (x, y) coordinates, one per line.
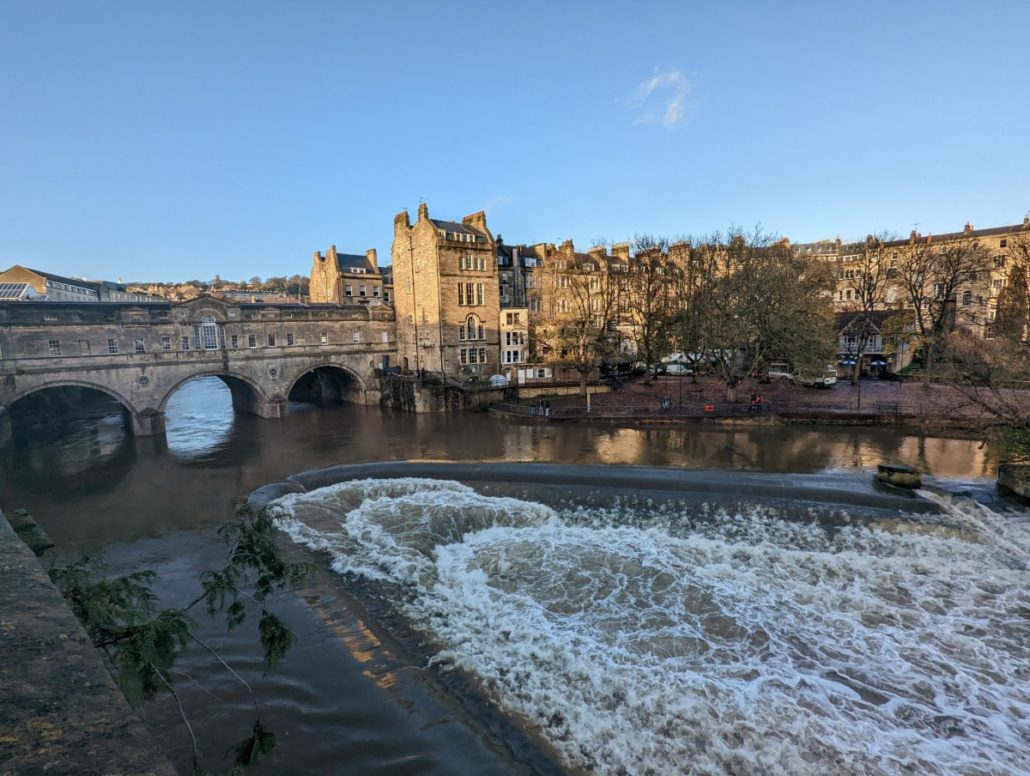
(208, 335)
(472, 329)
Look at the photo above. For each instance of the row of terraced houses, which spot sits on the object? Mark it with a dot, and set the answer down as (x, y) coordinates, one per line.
(465, 299)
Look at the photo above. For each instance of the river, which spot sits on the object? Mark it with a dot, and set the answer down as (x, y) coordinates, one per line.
(155, 503)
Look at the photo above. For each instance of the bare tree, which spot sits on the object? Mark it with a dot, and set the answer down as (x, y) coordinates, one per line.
(655, 287)
(930, 275)
(579, 311)
(1012, 321)
(869, 276)
(697, 264)
(751, 299)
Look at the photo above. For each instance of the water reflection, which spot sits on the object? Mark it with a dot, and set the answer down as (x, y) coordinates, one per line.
(89, 483)
(68, 441)
(199, 419)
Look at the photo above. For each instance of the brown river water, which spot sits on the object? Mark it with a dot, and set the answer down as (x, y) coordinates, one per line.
(349, 699)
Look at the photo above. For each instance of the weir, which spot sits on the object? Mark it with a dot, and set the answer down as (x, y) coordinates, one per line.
(635, 617)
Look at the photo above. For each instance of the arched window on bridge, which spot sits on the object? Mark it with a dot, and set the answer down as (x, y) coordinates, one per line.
(208, 335)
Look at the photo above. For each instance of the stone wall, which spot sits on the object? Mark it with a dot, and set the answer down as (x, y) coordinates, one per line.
(61, 711)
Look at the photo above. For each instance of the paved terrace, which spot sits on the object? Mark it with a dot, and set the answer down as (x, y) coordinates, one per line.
(870, 401)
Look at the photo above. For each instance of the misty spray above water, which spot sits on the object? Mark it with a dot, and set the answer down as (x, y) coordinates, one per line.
(647, 638)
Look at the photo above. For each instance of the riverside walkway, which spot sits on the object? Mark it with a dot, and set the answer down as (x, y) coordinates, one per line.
(673, 399)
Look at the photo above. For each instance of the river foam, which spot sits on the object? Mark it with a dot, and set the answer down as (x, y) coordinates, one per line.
(671, 638)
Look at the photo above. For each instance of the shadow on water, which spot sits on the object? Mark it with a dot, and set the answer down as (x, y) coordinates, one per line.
(67, 442)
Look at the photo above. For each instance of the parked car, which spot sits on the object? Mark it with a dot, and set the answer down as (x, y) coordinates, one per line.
(678, 369)
(779, 370)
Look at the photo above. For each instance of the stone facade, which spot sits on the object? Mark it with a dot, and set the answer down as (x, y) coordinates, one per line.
(140, 354)
(343, 278)
(975, 301)
(447, 295)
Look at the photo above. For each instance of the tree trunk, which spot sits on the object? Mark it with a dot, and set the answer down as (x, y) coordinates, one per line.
(583, 383)
(731, 393)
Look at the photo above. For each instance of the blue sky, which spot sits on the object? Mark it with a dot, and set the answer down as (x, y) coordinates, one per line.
(178, 140)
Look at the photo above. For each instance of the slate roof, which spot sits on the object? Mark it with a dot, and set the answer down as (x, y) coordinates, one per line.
(453, 226)
(67, 281)
(829, 246)
(844, 320)
(348, 262)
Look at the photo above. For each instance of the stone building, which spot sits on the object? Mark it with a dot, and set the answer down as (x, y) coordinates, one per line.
(974, 301)
(56, 288)
(346, 278)
(446, 295)
(514, 336)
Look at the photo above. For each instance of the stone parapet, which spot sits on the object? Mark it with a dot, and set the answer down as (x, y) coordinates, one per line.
(61, 711)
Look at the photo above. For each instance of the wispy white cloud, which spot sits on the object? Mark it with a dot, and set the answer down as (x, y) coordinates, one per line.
(496, 202)
(661, 99)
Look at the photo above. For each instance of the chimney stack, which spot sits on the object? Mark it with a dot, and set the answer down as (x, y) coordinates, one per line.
(373, 259)
(423, 211)
(969, 228)
(476, 221)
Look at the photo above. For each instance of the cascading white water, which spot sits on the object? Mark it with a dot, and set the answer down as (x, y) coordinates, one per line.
(668, 638)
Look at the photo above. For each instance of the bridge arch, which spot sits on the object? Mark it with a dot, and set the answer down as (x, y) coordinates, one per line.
(326, 381)
(247, 395)
(136, 421)
(69, 383)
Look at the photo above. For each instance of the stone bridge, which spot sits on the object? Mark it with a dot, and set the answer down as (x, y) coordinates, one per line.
(139, 354)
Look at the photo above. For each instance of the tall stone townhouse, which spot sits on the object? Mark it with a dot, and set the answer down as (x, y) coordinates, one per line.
(346, 278)
(447, 294)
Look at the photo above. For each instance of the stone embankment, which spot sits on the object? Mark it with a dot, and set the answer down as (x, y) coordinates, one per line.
(60, 712)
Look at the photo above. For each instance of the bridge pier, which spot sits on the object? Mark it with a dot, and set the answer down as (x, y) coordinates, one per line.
(273, 408)
(148, 423)
(5, 427)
